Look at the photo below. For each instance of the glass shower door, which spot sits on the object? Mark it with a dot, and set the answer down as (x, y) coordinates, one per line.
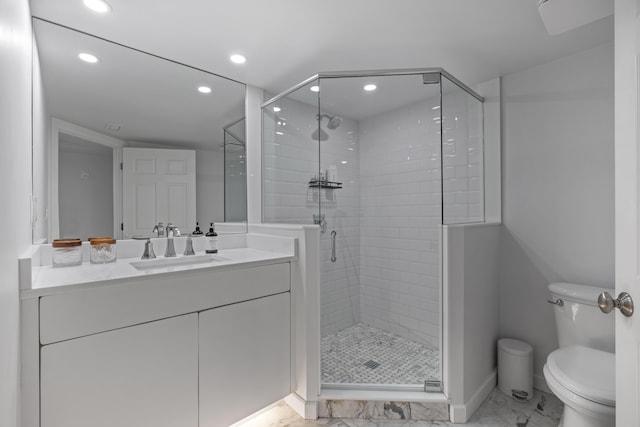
(381, 292)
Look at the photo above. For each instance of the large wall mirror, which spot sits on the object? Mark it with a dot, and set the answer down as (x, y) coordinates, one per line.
(129, 139)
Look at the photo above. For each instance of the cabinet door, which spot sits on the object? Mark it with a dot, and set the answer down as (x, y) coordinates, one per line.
(244, 359)
(144, 375)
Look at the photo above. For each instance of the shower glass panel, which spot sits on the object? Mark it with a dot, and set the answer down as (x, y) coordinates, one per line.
(290, 135)
(235, 172)
(462, 155)
(360, 154)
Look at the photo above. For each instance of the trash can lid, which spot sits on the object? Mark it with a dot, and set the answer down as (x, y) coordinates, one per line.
(515, 347)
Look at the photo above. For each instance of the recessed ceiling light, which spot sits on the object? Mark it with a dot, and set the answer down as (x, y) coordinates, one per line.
(277, 109)
(279, 133)
(204, 89)
(370, 87)
(87, 57)
(314, 88)
(238, 59)
(100, 6)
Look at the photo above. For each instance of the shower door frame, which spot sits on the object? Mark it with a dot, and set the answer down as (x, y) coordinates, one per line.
(355, 390)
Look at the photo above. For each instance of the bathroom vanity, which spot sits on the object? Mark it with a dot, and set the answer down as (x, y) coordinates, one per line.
(201, 343)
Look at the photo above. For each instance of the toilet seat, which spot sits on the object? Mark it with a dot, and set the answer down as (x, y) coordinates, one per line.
(584, 371)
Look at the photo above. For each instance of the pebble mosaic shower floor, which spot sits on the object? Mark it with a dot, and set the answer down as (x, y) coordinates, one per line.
(362, 354)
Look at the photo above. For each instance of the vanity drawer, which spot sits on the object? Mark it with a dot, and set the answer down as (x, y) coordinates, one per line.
(90, 311)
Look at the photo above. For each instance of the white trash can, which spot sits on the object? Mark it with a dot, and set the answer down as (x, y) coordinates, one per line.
(515, 369)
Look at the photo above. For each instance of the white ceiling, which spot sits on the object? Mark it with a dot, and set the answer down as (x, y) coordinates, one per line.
(287, 41)
(151, 100)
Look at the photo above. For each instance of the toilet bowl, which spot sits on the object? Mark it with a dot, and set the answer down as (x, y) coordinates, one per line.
(581, 373)
(583, 379)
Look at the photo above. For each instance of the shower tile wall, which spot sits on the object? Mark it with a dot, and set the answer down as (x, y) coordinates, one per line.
(387, 215)
(290, 160)
(401, 211)
(341, 279)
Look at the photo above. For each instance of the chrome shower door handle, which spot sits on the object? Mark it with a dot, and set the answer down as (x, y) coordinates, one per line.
(333, 246)
(623, 302)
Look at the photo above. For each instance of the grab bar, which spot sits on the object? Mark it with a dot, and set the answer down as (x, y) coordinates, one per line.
(333, 246)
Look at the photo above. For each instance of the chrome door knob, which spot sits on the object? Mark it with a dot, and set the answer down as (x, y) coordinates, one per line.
(623, 302)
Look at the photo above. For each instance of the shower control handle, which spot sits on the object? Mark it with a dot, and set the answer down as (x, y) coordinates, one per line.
(624, 302)
(333, 246)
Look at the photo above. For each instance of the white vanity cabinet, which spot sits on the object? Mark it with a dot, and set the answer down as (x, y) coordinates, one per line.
(244, 358)
(145, 375)
(200, 348)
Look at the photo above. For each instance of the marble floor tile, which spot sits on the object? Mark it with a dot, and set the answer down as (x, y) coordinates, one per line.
(363, 354)
(498, 410)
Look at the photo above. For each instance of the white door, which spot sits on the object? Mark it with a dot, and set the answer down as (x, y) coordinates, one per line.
(627, 218)
(158, 185)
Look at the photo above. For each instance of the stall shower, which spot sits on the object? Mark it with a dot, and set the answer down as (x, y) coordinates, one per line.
(380, 161)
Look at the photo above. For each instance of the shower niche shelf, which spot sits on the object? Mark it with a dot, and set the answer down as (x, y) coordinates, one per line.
(314, 183)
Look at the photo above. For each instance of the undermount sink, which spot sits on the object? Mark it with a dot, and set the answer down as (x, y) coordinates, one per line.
(179, 261)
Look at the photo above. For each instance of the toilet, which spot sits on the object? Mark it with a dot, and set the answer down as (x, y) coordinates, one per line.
(581, 373)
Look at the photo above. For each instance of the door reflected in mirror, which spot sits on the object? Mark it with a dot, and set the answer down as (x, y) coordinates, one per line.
(85, 115)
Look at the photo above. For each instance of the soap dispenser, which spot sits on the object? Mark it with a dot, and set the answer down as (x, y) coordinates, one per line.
(211, 242)
(197, 232)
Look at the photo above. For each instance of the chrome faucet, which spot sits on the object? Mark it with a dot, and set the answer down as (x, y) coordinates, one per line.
(148, 250)
(172, 231)
(159, 229)
(188, 250)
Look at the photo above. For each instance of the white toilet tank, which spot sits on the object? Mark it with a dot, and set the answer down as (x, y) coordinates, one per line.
(579, 319)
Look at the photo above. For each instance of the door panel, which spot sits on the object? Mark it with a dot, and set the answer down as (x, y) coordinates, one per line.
(145, 209)
(159, 185)
(627, 217)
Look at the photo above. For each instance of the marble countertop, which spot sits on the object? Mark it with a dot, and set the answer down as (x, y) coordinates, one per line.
(48, 280)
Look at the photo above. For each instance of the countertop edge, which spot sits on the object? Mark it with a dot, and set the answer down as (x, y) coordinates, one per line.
(27, 294)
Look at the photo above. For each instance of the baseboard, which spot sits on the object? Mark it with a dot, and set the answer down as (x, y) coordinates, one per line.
(458, 413)
(307, 410)
(461, 413)
(539, 383)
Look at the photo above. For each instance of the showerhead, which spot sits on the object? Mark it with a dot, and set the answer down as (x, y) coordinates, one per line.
(334, 121)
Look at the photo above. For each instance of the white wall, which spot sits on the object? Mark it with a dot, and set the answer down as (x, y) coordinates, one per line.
(472, 314)
(253, 116)
(85, 191)
(41, 134)
(209, 188)
(15, 174)
(490, 90)
(557, 189)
